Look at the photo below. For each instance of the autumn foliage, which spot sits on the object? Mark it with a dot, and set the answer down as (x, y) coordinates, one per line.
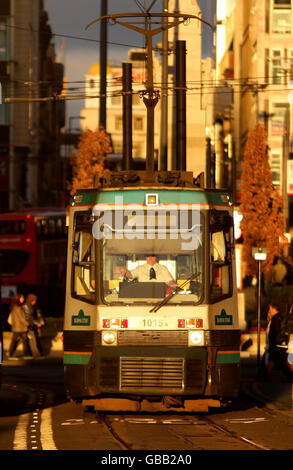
(261, 204)
(88, 162)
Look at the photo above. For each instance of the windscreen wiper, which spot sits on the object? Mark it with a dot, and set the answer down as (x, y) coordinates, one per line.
(166, 299)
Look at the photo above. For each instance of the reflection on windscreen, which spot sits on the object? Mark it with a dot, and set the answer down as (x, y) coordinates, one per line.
(147, 270)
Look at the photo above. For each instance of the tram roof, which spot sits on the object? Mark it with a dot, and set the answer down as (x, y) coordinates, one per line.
(135, 195)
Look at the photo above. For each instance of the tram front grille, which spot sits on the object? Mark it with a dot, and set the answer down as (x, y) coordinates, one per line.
(151, 373)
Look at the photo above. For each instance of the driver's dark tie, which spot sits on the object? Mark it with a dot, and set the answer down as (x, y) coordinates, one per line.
(152, 274)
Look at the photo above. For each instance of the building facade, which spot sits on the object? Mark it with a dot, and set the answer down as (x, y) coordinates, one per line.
(191, 33)
(90, 112)
(255, 59)
(28, 73)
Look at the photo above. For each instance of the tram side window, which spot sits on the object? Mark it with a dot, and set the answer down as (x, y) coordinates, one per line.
(83, 266)
(220, 265)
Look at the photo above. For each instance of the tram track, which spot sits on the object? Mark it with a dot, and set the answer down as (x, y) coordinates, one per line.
(239, 437)
(103, 419)
(185, 432)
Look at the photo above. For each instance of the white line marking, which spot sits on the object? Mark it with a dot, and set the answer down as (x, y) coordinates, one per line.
(20, 435)
(72, 422)
(47, 440)
(246, 420)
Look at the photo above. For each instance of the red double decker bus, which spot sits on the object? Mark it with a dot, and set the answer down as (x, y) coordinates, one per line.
(33, 257)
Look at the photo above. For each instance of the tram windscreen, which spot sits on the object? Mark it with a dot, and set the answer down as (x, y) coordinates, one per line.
(147, 265)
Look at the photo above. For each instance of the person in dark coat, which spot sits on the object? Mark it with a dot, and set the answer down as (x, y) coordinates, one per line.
(19, 326)
(275, 356)
(35, 321)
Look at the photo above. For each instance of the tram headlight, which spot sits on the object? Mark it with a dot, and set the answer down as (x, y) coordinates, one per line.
(196, 338)
(109, 338)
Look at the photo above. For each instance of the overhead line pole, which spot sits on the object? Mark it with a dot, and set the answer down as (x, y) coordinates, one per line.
(164, 95)
(103, 65)
(150, 96)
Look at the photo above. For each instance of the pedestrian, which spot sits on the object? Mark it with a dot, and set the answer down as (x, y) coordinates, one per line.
(275, 355)
(19, 326)
(279, 272)
(34, 322)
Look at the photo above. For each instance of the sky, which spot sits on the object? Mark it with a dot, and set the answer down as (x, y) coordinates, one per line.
(70, 18)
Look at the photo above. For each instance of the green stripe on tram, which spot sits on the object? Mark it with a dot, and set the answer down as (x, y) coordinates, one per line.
(138, 197)
(228, 357)
(76, 358)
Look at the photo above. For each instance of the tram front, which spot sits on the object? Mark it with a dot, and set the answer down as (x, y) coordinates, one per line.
(153, 287)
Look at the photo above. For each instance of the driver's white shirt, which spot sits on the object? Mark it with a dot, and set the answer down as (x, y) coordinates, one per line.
(142, 273)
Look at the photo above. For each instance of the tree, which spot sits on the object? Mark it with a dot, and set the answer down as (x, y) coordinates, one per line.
(88, 162)
(261, 204)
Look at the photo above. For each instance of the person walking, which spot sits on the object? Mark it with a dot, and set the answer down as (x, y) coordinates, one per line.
(275, 355)
(19, 327)
(31, 317)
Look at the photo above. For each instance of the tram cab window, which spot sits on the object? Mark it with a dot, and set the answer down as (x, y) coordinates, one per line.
(130, 254)
(220, 261)
(83, 264)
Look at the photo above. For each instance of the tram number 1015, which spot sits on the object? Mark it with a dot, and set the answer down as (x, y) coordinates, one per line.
(154, 323)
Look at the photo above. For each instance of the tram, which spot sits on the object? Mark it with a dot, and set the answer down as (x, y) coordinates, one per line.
(135, 343)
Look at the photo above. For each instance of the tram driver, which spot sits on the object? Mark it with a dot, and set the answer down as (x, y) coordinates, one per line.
(150, 271)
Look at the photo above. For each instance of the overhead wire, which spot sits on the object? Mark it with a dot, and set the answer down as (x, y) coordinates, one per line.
(68, 36)
(83, 96)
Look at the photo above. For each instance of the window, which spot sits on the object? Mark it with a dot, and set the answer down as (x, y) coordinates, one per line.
(12, 227)
(276, 168)
(83, 259)
(278, 119)
(138, 123)
(282, 3)
(51, 227)
(178, 255)
(13, 262)
(276, 67)
(282, 17)
(4, 107)
(4, 39)
(138, 150)
(116, 100)
(118, 147)
(118, 123)
(290, 53)
(220, 255)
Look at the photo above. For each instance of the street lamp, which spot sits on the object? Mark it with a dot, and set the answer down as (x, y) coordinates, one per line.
(259, 254)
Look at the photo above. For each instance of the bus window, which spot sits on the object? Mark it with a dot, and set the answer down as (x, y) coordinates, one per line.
(39, 228)
(59, 226)
(44, 230)
(51, 227)
(83, 266)
(13, 262)
(12, 227)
